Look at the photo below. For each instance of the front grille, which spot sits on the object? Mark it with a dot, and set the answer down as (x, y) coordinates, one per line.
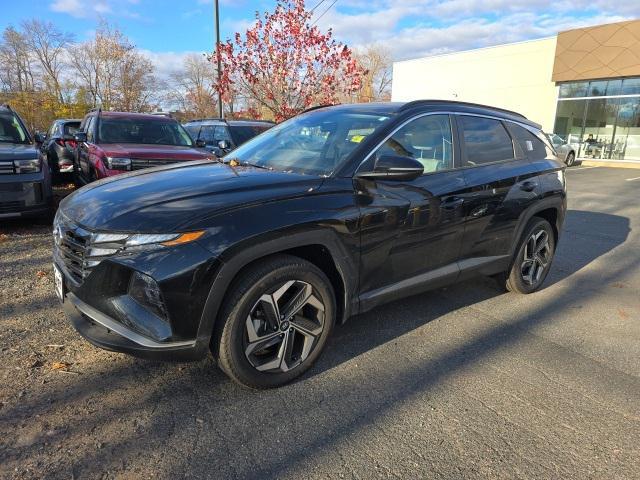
(74, 246)
(8, 207)
(140, 163)
(6, 168)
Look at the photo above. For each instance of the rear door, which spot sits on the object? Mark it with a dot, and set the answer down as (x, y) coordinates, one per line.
(502, 183)
(84, 149)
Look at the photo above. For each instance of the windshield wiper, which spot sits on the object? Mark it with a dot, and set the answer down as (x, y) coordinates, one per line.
(245, 164)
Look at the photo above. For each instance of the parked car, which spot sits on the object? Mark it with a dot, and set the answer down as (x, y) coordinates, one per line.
(111, 143)
(25, 180)
(324, 216)
(58, 147)
(222, 136)
(566, 152)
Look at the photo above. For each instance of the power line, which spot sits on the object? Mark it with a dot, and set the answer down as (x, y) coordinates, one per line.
(322, 14)
(317, 5)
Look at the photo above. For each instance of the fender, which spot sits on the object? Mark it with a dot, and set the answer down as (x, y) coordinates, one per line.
(556, 202)
(242, 254)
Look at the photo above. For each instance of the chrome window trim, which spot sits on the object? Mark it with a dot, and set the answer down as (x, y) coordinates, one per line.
(444, 112)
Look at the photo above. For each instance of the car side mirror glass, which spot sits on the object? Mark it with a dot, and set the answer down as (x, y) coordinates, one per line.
(40, 137)
(223, 144)
(201, 143)
(395, 167)
(80, 137)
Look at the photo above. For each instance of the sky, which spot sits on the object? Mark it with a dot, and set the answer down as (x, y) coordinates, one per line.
(168, 29)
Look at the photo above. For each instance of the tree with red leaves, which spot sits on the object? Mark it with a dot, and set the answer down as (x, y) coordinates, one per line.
(284, 65)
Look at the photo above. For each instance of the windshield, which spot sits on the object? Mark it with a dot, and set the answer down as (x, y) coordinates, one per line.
(313, 143)
(11, 130)
(143, 130)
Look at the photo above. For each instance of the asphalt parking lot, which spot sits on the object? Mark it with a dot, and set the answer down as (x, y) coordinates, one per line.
(463, 382)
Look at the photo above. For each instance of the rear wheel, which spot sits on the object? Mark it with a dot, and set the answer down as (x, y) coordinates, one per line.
(571, 159)
(276, 322)
(533, 260)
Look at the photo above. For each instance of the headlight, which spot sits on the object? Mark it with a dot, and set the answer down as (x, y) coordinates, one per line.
(126, 240)
(116, 163)
(31, 165)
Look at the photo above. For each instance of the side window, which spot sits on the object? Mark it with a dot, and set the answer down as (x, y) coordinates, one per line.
(207, 133)
(532, 147)
(222, 134)
(427, 139)
(89, 129)
(486, 140)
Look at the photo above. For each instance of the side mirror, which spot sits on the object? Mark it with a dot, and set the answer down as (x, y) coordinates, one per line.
(40, 137)
(80, 137)
(223, 144)
(201, 143)
(395, 167)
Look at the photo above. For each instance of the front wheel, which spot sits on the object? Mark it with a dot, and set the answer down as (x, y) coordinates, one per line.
(533, 260)
(277, 320)
(571, 159)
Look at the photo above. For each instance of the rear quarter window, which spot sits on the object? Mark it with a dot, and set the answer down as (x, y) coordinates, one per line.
(530, 145)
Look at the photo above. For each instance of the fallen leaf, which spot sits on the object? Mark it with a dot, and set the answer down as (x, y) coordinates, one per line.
(3, 237)
(622, 313)
(41, 273)
(60, 365)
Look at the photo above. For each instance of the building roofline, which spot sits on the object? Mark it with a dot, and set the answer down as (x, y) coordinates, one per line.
(448, 54)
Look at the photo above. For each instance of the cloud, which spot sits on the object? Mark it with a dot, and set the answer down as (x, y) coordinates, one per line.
(415, 28)
(82, 9)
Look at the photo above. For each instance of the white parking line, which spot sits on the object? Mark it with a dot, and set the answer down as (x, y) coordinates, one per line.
(632, 179)
(579, 168)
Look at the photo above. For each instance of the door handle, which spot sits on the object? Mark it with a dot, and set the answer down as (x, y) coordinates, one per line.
(528, 186)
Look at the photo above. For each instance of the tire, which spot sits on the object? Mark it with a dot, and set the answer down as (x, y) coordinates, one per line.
(268, 336)
(571, 159)
(533, 258)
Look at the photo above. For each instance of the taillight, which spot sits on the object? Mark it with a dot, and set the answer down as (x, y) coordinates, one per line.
(71, 143)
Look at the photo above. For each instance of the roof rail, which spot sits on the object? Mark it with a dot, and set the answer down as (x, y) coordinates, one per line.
(226, 120)
(417, 103)
(95, 109)
(319, 106)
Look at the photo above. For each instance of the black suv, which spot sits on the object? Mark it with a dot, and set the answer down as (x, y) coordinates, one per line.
(58, 147)
(221, 136)
(326, 215)
(25, 180)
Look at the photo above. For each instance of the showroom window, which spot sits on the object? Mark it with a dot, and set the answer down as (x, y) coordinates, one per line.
(600, 118)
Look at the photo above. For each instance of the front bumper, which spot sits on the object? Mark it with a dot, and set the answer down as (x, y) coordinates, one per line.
(105, 332)
(23, 195)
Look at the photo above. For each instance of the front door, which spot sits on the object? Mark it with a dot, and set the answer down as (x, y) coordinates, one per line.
(411, 231)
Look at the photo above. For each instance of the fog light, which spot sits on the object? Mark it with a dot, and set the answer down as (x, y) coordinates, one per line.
(144, 290)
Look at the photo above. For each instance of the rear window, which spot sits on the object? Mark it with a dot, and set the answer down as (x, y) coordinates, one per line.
(241, 134)
(486, 141)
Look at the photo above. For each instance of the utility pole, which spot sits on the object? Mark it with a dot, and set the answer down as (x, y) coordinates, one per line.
(216, 12)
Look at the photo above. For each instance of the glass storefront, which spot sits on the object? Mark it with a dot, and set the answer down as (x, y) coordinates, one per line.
(601, 118)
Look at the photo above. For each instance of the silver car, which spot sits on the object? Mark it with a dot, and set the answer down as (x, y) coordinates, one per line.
(566, 152)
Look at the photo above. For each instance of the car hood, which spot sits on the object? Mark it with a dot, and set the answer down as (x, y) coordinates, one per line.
(172, 198)
(16, 151)
(132, 150)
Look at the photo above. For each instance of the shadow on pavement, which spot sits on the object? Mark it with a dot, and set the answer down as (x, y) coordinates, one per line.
(192, 421)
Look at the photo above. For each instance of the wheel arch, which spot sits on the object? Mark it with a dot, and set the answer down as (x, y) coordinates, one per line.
(320, 247)
(551, 209)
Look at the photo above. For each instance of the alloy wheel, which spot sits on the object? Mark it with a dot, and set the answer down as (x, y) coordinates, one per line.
(537, 255)
(283, 327)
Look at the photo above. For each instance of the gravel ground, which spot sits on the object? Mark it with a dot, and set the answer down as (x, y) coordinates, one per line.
(463, 382)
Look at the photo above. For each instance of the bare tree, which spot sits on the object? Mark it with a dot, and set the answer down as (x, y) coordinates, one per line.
(376, 84)
(48, 45)
(16, 63)
(192, 87)
(112, 73)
